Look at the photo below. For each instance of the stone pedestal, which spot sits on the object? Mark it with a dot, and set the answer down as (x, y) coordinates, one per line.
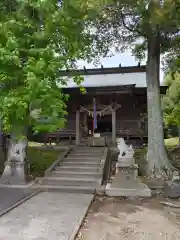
(15, 173)
(128, 189)
(172, 189)
(126, 182)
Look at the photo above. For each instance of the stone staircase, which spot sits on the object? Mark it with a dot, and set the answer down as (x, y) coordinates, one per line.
(78, 172)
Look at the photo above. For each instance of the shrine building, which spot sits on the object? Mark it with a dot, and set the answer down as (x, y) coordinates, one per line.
(115, 101)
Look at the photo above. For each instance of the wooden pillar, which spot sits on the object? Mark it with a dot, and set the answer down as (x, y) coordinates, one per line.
(77, 127)
(85, 123)
(113, 126)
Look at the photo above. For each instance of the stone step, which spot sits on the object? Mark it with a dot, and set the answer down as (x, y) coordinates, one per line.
(79, 174)
(78, 168)
(71, 179)
(83, 158)
(77, 163)
(67, 189)
(98, 151)
(72, 160)
(65, 181)
(90, 153)
(88, 150)
(75, 155)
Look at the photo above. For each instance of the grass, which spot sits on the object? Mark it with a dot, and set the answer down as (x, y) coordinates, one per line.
(41, 159)
(35, 144)
(174, 155)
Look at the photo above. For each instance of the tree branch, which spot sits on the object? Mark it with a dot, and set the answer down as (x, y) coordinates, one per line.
(127, 27)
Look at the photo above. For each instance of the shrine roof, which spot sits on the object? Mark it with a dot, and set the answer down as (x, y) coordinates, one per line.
(106, 77)
(101, 77)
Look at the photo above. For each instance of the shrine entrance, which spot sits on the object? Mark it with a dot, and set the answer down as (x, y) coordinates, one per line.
(104, 124)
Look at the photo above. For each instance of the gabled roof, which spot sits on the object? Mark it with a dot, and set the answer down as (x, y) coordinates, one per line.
(102, 70)
(107, 77)
(104, 77)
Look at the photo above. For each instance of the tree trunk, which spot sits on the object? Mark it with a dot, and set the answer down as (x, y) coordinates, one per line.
(158, 165)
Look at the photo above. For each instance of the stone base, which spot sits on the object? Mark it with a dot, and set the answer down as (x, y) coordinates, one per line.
(15, 173)
(96, 142)
(172, 190)
(136, 190)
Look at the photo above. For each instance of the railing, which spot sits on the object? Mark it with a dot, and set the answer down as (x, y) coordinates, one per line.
(105, 167)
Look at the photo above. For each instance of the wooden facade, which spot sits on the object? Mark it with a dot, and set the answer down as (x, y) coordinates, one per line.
(129, 105)
(121, 109)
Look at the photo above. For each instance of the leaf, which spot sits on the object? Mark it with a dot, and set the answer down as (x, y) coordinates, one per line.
(39, 38)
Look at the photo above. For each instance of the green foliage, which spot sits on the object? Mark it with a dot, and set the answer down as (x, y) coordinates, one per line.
(171, 101)
(39, 38)
(171, 142)
(148, 28)
(135, 23)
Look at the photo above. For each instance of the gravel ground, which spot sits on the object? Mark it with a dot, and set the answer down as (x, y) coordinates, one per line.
(131, 219)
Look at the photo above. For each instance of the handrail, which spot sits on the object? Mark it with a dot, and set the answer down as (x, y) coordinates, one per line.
(105, 166)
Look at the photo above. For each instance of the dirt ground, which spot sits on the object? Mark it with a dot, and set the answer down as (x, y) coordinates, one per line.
(132, 219)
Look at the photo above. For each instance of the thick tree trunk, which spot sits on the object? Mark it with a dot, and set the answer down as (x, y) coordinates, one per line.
(158, 165)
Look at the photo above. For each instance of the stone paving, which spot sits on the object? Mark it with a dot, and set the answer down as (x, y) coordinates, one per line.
(10, 196)
(45, 216)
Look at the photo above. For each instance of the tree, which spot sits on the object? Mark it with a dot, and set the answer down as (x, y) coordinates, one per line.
(171, 101)
(172, 58)
(37, 39)
(149, 28)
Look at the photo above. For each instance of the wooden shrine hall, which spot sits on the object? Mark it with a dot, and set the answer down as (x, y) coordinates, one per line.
(120, 98)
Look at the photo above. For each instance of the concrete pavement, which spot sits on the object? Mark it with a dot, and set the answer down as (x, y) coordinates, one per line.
(12, 196)
(45, 216)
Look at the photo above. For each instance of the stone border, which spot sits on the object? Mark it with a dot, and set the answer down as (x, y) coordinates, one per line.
(54, 147)
(59, 160)
(101, 169)
(81, 221)
(28, 185)
(19, 202)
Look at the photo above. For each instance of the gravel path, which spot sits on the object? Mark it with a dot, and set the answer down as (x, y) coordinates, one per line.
(111, 219)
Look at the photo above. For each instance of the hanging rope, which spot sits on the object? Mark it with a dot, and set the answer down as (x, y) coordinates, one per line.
(100, 113)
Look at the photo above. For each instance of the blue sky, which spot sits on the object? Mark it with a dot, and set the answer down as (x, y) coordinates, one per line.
(126, 59)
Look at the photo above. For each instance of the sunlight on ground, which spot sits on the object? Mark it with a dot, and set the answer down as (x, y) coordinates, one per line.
(34, 144)
(171, 142)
